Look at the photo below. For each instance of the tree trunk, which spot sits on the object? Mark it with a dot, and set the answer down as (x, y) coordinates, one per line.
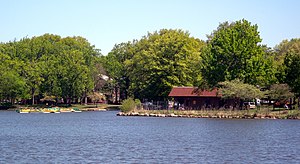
(85, 100)
(12, 101)
(116, 95)
(298, 103)
(32, 94)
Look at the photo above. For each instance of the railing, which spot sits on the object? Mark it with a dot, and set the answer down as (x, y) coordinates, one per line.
(157, 105)
(164, 105)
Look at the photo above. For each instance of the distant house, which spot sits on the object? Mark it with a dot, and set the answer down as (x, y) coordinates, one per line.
(194, 98)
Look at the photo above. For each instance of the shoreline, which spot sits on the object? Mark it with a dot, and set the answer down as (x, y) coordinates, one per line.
(292, 114)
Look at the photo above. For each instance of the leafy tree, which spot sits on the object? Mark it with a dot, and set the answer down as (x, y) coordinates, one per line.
(280, 92)
(292, 71)
(234, 51)
(50, 65)
(281, 51)
(116, 69)
(164, 59)
(237, 89)
(29, 51)
(96, 97)
(12, 85)
(67, 66)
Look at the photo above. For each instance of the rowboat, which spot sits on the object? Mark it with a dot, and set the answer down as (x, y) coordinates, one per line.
(25, 110)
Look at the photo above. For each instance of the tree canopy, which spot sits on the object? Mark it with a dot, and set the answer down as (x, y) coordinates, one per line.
(234, 51)
(280, 92)
(147, 68)
(164, 59)
(292, 70)
(280, 52)
(238, 89)
(47, 65)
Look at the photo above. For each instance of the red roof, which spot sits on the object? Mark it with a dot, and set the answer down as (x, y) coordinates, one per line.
(192, 92)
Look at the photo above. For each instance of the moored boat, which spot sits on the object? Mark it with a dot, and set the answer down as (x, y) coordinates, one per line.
(25, 110)
(65, 110)
(51, 110)
(76, 110)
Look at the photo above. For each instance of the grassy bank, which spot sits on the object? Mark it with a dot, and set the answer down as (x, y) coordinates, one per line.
(248, 114)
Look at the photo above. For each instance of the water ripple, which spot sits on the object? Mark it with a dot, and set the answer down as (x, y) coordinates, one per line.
(101, 137)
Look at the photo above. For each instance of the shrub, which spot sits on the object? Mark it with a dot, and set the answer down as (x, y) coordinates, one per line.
(138, 103)
(128, 105)
(5, 105)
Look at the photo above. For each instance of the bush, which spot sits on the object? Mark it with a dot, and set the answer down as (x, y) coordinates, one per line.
(5, 105)
(128, 105)
(138, 103)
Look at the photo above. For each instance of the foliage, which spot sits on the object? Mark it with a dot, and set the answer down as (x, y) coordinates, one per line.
(148, 68)
(95, 96)
(164, 59)
(238, 89)
(12, 85)
(280, 92)
(114, 63)
(281, 52)
(292, 71)
(128, 105)
(47, 65)
(234, 51)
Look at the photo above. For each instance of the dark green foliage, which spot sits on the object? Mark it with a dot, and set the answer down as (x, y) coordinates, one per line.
(292, 71)
(71, 67)
(234, 51)
(281, 51)
(164, 59)
(115, 66)
(47, 65)
(150, 67)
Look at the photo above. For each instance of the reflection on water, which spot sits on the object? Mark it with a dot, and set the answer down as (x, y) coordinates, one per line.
(102, 137)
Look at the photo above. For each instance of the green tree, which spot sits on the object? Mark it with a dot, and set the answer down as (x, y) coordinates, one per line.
(68, 70)
(280, 92)
(29, 51)
(292, 71)
(12, 85)
(236, 89)
(234, 51)
(281, 51)
(49, 65)
(116, 69)
(164, 59)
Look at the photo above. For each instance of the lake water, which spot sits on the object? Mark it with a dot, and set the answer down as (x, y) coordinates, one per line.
(103, 137)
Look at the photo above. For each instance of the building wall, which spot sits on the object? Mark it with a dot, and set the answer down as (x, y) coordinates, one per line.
(197, 103)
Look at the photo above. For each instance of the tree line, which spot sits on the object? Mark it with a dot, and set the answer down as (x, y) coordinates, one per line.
(232, 55)
(147, 68)
(47, 66)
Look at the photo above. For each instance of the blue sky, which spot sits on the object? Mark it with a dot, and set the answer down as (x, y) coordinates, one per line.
(108, 22)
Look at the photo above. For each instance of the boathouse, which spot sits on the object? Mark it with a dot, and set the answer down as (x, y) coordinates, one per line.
(193, 98)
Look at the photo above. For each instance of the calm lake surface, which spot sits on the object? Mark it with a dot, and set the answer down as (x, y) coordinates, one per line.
(103, 137)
